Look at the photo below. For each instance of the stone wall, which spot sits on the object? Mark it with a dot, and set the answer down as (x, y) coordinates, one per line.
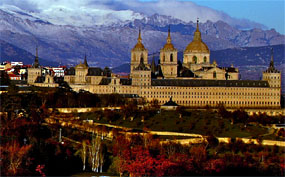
(81, 110)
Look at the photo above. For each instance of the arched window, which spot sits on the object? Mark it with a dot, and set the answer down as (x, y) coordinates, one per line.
(141, 58)
(163, 58)
(171, 57)
(214, 74)
(205, 59)
(194, 59)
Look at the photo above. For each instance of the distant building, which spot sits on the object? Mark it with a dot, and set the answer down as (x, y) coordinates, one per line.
(5, 66)
(13, 76)
(58, 72)
(16, 63)
(196, 82)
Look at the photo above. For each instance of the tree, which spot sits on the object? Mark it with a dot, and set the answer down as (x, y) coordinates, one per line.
(213, 141)
(214, 166)
(129, 109)
(84, 153)
(154, 104)
(181, 111)
(223, 112)
(14, 153)
(96, 156)
(4, 78)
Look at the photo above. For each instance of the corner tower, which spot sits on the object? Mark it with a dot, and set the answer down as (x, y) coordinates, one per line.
(197, 52)
(168, 59)
(35, 70)
(138, 53)
(272, 75)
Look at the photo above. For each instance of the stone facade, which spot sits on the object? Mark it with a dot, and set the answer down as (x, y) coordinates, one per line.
(168, 59)
(138, 53)
(194, 83)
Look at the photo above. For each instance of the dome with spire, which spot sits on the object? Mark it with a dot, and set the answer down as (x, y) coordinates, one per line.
(81, 66)
(168, 45)
(197, 45)
(139, 45)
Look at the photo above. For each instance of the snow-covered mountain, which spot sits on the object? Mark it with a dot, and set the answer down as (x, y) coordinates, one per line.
(108, 36)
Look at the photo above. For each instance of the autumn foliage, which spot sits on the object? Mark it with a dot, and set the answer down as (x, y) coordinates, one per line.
(137, 158)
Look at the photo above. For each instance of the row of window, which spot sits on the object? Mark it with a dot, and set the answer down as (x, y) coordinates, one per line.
(271, 77)
(206, 97)
(171, 58)
(214, 93)
(194, 59)
(264, 103)
(208, 88)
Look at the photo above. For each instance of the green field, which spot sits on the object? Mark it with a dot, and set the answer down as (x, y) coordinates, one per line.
(199, 122)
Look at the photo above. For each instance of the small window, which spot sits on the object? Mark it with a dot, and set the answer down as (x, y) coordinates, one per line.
(195, 59)
(171, 57)
(214, 74)
(205, 59)
(141, 58)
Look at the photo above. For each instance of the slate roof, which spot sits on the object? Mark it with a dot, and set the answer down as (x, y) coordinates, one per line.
(70, 71)
(105, 81)
(185, 72)
(206, 68)
(231, 70)
(125, 81)
(41, 79)
(208, 83)
(95, 72)
(170, 103)
(142, 67)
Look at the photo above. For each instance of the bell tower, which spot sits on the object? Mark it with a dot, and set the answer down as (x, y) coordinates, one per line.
(272, 75)
(35, 70)
(138, 53)
(168, 58)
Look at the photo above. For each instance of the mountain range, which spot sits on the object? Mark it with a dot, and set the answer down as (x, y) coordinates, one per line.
(9, 52)
(111, 44)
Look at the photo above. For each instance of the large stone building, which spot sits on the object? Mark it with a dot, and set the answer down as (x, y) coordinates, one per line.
(196, 82)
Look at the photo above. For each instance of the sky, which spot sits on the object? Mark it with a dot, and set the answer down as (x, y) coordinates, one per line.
(268, 12)
(244, 14)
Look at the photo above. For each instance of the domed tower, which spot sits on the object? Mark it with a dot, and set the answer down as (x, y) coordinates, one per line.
(197, 52)
(168, 59)
(138, 53)
(272, 75)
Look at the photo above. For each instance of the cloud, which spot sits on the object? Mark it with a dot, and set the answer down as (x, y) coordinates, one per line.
(114, 10)
(187, 11)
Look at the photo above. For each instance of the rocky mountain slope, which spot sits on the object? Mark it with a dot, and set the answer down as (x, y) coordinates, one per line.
(10, 52)
(110, 45)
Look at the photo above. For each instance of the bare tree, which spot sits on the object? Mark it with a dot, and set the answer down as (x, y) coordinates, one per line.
(83, 153)
(95, 154)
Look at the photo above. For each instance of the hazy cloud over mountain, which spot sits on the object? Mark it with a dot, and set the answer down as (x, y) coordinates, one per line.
(97, 12)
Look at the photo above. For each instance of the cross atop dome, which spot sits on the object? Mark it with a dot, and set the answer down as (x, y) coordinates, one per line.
(168, 37)
(197, 29)
(139, 45)
(140, 38)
